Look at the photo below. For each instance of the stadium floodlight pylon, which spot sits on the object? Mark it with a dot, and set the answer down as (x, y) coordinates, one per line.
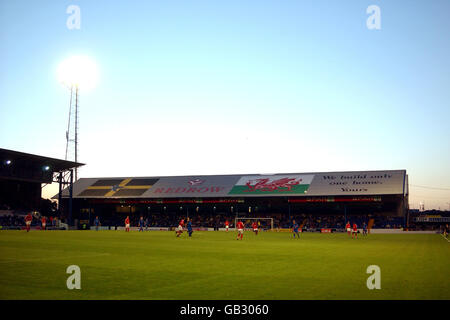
(72, 127)
(253, 218)
(75, 73)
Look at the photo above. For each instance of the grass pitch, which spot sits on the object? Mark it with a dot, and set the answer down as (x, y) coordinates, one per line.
(214, 265)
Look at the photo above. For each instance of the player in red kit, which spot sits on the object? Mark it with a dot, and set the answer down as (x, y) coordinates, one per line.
(355, 231)
(28, 220)
(127, 224)
(179, 230)
(240, 228)
(348, 228)
(255, 227)
(227, 225)
(44, 222)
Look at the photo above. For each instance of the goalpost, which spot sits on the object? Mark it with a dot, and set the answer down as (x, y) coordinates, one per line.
(244, 218)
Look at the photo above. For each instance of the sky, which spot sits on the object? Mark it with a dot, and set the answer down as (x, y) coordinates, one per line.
(192, 87)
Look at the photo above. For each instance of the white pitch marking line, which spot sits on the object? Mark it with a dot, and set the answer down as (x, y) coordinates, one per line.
(46, 259)
(445, 237)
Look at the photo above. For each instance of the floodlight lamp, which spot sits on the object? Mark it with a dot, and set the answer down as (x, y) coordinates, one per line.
(78, 71)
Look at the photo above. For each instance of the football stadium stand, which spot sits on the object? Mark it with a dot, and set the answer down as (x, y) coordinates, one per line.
(21, 178)
(320, 200)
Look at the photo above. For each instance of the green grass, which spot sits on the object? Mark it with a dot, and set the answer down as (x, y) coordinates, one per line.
(213, 265)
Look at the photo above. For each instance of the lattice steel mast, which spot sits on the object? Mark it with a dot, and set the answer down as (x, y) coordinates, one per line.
(72, 127)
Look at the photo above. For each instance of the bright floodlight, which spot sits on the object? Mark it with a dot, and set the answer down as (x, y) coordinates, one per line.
(79, 71)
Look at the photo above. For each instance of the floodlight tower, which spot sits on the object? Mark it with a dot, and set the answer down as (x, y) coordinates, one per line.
(75, 73)
(72, 127)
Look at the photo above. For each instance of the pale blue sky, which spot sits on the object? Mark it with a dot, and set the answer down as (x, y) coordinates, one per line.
(206, 87)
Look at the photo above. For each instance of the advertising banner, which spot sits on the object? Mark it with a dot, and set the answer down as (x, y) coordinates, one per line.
(358, 183)
(126, 187)
(273, 184)
(193, 186)
(362, 186)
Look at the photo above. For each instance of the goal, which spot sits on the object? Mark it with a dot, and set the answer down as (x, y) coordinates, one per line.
(244, 219)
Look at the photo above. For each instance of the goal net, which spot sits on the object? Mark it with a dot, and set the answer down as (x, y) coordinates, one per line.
(266, 223)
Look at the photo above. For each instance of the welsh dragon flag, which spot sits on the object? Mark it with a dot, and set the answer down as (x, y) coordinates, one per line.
(273, 184)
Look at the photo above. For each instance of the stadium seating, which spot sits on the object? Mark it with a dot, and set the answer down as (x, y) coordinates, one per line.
(309, 222)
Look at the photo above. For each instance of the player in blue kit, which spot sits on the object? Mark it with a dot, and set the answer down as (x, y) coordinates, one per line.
(96, 223)
(295, 227)
(364, 229)
(189, 227)
(141, 224)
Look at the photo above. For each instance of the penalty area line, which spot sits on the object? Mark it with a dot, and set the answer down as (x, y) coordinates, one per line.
(445, 237)
(53, 259)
